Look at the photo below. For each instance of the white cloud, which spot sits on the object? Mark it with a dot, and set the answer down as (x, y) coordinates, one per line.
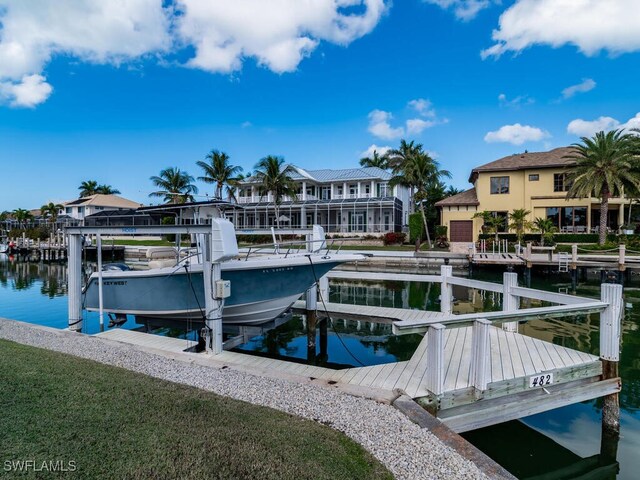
(246, 124)
(586, 85)
(463, 9)
(368, 153)
(516, 134)
(423, 107)
(380, 126)
(416, 126)
(97, 32)
(587, 128)
(590, 25)
(516, 102)
(277, 34)
(30, 91)
(222, 33)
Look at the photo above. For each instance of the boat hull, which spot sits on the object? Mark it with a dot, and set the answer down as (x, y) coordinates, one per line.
(260, 290)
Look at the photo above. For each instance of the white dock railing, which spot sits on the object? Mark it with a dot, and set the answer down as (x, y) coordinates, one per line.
(609, 307)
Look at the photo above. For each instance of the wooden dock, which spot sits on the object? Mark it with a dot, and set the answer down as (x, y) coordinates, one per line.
(470, 370)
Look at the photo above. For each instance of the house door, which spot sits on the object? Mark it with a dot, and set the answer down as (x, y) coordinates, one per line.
(461, 231)
(357, 223)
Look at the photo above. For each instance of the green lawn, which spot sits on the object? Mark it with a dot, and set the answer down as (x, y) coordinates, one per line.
(113, 423)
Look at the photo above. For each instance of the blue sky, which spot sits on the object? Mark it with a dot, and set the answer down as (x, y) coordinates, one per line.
(472, 80)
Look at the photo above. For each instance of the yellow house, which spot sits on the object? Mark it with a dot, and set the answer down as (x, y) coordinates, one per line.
(534, 181)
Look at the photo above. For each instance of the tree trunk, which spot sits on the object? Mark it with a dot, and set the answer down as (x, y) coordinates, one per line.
(629, 214)
(426, 229)
(604, 213)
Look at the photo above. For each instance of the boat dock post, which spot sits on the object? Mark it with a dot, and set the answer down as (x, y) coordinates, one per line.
(510, 302)
(75, 282)
(446, 289)
(621, 263)
(610, 327)
(574, 266)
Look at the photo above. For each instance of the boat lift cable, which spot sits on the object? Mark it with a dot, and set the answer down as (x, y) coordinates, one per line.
(326, 311)
(202, 312)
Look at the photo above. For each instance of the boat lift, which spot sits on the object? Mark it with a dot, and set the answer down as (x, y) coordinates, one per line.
(219, 244)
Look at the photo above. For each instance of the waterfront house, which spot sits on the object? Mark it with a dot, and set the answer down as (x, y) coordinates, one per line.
(85, 206)
(534, 181)
(353, 201)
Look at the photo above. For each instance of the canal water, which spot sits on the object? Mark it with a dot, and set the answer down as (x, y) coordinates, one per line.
(563, 443)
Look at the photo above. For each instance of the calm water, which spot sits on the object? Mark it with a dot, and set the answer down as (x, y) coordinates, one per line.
(563, 443)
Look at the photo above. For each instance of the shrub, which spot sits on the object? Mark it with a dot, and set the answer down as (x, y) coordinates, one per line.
(416, 227)
(41, 232)
(441, 231)
(393, 238)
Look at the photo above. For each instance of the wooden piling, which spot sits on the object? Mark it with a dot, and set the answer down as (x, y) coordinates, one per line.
(310, 311)
(574, 267)
(621, 263)
(510, 302)
(75, 282)
(446, 289)
(610, 326)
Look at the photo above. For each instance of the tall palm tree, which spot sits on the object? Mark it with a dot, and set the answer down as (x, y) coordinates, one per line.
(50, 211)
(22, 216)
(174, 185)
(420, 173)
(398, 158)
(451, 191)
(220, 172)
(520, 222)
(274, 178)
(375, 160)
(88, 188)
(605, 165)
(107, 190)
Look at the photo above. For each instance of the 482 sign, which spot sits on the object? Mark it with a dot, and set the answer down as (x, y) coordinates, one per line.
(541, 380)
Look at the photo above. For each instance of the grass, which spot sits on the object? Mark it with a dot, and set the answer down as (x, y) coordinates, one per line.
(114, 423)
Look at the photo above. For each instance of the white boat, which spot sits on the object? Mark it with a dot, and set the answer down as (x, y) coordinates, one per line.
(262, 286)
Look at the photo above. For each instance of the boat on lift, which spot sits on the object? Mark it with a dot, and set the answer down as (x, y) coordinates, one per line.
(263, 286)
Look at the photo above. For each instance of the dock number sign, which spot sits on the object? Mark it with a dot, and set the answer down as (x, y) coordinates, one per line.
(541, 380)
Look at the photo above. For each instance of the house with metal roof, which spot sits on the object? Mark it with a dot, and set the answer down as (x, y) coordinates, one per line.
(345, 201)
(534, 181)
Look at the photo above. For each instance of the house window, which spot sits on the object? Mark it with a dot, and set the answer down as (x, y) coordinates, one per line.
(504, 225)
(353, 190)
(325, 193)
(67, 210)
(383, 190)
(499, 185)
(560, 182)
(534, 177)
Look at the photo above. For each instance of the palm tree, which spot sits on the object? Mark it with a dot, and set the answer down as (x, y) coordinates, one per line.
(22, 216)
(491, 222)
(88, 188)
(107, 190)
(50, 211)
(605, 165)
(519, 222)
(398, 157)
(451, 191)
(220, 172)
(420, 173)
(376, 160)
(274, 178)
(546, 228)
(174, 185)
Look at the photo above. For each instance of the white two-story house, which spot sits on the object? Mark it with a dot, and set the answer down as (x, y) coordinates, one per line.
(350, 201)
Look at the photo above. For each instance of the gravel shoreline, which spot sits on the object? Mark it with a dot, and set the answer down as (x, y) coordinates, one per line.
(408, 451)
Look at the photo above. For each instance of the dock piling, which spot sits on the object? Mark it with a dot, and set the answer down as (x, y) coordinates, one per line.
(310, 311)
(510, 302)
(480, 356)
(446, 289)
(574, 266)
(75, 282)
(610, 326)
(100, 291)
(435, 360)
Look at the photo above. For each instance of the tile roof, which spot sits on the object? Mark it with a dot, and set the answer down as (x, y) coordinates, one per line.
(527, 160)
(100, 200)
(468, 197)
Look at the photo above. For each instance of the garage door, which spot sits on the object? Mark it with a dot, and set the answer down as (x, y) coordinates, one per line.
(461, 231)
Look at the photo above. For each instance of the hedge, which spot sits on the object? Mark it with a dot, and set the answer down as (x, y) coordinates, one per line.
(557, 238)
(416, 227)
